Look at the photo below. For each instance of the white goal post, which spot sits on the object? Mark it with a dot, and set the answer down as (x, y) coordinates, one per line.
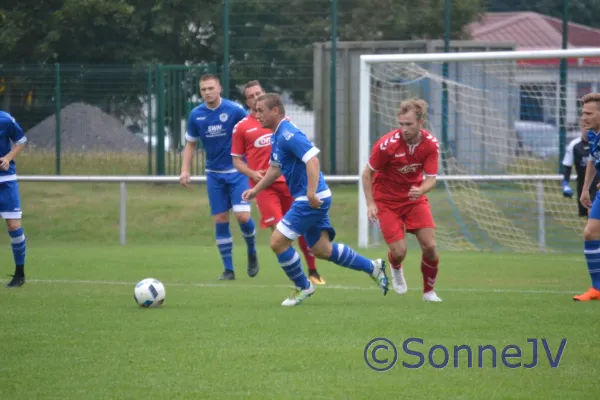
(506, 115)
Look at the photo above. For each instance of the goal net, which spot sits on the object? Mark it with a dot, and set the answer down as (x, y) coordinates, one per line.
(504, 120)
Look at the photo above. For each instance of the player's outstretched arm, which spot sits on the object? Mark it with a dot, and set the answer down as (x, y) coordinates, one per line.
(242, 167)
(186, 162)
(567, 166)
(430, 169)
(367, 181)
(17, 136)
(590, 173)
(313, 172)
(5, 161)
(271, 176)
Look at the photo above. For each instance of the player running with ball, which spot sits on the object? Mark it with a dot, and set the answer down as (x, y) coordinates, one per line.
(294, 157)
(252, 141)
(395, 190)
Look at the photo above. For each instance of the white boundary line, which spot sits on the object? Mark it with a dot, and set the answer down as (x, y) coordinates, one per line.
(290, 286)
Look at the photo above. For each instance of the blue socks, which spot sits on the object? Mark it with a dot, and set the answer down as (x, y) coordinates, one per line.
(592, 257)
(225, 244)
(18, 244)
(292, 265)
(346, 257)
(249, 233)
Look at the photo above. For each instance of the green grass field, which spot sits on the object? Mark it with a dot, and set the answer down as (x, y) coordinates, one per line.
(74, 332)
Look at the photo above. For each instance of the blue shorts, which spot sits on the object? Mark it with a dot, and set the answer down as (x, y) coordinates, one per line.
(225, 192)
(303, 220)
(595, 211)
(10, 202)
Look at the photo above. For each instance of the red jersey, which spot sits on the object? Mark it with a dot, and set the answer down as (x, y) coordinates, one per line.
(399, 166)
(253, 141)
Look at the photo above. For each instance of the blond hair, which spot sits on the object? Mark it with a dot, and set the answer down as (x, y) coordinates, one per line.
(592, 98)
(419, 106)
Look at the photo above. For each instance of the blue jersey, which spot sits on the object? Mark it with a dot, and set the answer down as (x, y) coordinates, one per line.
(593, 139)
(214, 127)
(10, 132)
(291, 149)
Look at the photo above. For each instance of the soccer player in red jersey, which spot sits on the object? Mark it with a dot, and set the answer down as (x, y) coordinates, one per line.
(394, 188)
(252, 141)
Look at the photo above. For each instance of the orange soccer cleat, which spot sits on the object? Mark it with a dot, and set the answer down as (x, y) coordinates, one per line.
(591, 294)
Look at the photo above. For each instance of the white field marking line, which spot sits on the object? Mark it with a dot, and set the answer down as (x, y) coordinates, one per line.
(328, 286)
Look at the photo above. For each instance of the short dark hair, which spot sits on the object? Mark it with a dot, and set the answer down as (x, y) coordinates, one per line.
(250, 84)
(207, 77)
(273, 100)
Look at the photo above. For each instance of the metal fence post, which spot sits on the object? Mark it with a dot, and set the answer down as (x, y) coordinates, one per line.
(333, 91)
(123, 214)
(150, 91)
(57, 116)
(541, 216)
(160, 120)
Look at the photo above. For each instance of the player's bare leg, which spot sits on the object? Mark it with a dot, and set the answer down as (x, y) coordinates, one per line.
(344, 256)
(396, 255)
(249, 233)
(292, 266)
(429, 262)
(18, 247)
(591, 235)
(225, 245)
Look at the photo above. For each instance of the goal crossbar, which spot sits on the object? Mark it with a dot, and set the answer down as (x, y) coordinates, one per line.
(481, 55)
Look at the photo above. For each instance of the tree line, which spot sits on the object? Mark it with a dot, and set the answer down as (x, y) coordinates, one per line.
(269, 39)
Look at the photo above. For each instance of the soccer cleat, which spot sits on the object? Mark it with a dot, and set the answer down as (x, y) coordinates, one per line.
(299, 296)
(17, 281)
(398, 281)
(252, 265)
(378, 275)
(431, 296)
(227, 276)
(591, 294)
(315, 278)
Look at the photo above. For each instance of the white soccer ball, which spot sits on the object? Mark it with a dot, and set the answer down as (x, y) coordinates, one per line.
(149, 293)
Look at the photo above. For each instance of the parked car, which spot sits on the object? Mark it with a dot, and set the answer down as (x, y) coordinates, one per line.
(541, 140)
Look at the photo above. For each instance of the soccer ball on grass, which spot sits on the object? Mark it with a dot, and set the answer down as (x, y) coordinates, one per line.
(149, 293)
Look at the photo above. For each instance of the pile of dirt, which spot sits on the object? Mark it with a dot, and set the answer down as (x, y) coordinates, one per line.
(84, 128)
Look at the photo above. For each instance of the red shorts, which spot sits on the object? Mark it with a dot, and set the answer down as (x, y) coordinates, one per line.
(273, 202)
(412, 215)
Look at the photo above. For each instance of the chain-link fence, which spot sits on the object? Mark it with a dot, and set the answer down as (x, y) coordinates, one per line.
(102, 120)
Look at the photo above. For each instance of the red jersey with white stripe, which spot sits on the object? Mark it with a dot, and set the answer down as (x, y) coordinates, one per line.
(399, 166)
(253, 141)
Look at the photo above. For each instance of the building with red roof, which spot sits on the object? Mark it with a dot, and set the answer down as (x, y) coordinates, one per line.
(539, 79)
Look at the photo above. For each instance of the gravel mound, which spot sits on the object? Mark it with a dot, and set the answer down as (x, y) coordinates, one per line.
(84, 128)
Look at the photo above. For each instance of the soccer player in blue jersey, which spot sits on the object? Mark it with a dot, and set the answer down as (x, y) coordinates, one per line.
(212, 123)
(294, 156)
(12, 141)
(590, 117)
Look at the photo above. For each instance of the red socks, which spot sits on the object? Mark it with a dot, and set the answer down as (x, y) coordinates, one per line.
(429, 269)
(393, 262)
(308, 255)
